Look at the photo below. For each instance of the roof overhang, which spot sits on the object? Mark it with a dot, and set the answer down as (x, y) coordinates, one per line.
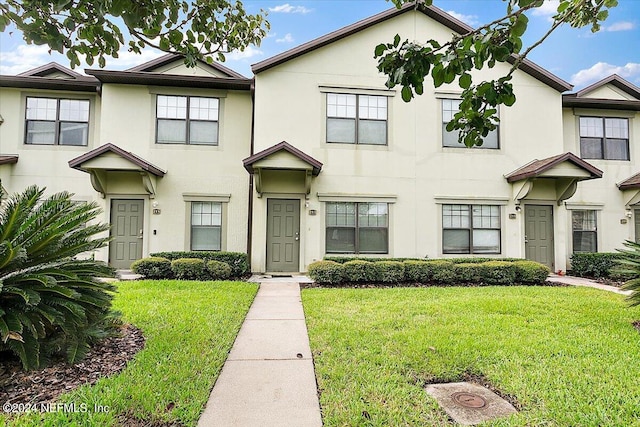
(572, 100)
(630, 188)
(111, 158)
(176, 80)
(75, 85)
(282, 157)
(558, 176)
(8, 160)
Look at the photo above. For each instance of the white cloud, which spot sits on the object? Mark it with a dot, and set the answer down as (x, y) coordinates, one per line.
(287, 8)
(548, 8)
(620, 26)
(599, 71)
(249, 52)
(25, 57)
(288, 38)
(467, 19)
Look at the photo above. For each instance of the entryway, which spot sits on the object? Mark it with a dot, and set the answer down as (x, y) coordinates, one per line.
(127, 220)
(539, 234)
(283, 235)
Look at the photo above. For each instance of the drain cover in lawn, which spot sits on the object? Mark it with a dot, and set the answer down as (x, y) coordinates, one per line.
(468, 403)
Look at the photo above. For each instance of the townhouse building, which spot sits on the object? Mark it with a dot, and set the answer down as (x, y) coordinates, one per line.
(314, 156)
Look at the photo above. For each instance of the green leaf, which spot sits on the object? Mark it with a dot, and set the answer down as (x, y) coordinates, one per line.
(406, 94)
(380, 50)
(520, 26)
(465, 81)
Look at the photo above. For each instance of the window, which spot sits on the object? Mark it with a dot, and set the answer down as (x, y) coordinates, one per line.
(356, 119)
(450, 139)
(187, 120)
(52, 121)
(585, 230)
(357, 228)
(604, 138)
(470, 229)
(206, 226)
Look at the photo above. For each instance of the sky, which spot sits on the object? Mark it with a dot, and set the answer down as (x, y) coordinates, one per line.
(576, 55)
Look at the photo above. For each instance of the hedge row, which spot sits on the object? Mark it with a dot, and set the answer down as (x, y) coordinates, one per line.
(440, 272)
(182, 269)
(238, 261)
(595, 264)
(475, 260)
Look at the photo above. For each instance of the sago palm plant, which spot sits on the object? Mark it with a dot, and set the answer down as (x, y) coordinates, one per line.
(629, 267)
(50, 302)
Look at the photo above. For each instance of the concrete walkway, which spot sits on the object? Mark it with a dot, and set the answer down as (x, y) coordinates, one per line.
(268, 379)
(581, 281)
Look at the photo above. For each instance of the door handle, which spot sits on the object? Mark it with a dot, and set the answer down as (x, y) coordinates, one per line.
(297, 236)
(526, 240)
(140, 234)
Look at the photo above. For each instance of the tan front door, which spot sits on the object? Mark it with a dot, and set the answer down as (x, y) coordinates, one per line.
(127, 218)
(283, 235)
(539, 234)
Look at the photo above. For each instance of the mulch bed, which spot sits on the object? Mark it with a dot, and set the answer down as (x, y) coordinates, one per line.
(107, 358)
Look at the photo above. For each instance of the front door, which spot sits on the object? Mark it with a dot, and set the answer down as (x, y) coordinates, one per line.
(538, 230)
(283, 235)
(126, 232)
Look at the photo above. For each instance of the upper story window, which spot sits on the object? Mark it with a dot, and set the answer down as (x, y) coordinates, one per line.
(604, 138)
(450, 139)
(357, 228)
(470, 229)
(356, 119)
(52, 121)
(187, 120)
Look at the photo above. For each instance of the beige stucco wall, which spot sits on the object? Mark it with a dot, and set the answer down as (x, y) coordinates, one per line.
(413, 168)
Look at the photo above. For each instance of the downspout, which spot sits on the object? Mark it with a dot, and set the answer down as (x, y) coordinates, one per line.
(250, 204)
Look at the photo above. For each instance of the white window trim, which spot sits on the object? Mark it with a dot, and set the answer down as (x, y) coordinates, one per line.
(223, 199)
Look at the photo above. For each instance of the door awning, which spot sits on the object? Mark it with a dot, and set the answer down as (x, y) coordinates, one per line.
(555, 177)
(631, 189)
(282, 157)
(111, 158)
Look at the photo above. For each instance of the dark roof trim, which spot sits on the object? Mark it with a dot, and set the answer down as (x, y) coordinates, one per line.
(315, 164)
(431, 11)
(571, 100)
(614, 80)
(49, 68)
(8, 160)
(138, 161)
(84, 84)
(145, 78)
(631, 183)
(172, 57)
(537, 167)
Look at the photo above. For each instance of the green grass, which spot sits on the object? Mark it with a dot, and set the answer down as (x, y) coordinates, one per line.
(190, 328)
(570, 356)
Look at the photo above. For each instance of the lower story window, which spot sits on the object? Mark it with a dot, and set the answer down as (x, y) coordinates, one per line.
(206, 226)
(470, 229)
(357, 228)
(585, 231)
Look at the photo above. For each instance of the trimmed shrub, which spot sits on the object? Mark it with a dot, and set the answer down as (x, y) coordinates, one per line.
(189, 269)
(478, 260)
(498, 272)
(343, 259)
(218, 270)
(418, 271)
(443, 272)
(327, 272)
(360, 271)
(390, 271)
(238, 261)
(153, 268)
(470, 272)
(531, 272)
(594, 264)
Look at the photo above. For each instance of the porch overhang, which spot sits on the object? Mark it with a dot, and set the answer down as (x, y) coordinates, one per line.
(554, 178)
(630, 188)
(282, 157)
(111, 158)
(8, 160)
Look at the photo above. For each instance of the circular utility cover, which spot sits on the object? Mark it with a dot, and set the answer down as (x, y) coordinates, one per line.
(469, 400)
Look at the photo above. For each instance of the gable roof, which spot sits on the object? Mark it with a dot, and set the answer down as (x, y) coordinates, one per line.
(154, 64)
(159, 79)
(40, 78)
(50, 68)
(630, 183)
(434, 13)
(537, 167)
(579, 100)
(315, 164)
(138, 161)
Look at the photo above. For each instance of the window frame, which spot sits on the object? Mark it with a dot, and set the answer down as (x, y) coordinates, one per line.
(191, 226)
(356, 227)
(604, 139)
(188, 120)
(444, 130)
(471, 228)
(574, 230)
(57, 122)
(357, 119)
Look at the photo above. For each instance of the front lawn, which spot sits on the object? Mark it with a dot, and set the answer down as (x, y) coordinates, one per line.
(567, 356)
(189, 329)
